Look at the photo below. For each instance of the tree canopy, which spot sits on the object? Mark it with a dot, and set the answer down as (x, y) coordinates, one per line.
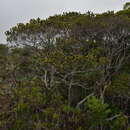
(126, 5)
(67, 72)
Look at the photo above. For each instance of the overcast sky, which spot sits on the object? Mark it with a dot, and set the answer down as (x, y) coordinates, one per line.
(16, 11)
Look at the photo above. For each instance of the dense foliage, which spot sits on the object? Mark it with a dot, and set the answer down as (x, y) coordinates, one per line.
(68, 72)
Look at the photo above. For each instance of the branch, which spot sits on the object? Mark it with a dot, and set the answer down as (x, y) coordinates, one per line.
(113, 117)
(83, 100)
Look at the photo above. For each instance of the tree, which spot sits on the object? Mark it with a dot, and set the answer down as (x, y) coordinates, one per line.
(126, 6)
(108, 47)
(72, 64)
